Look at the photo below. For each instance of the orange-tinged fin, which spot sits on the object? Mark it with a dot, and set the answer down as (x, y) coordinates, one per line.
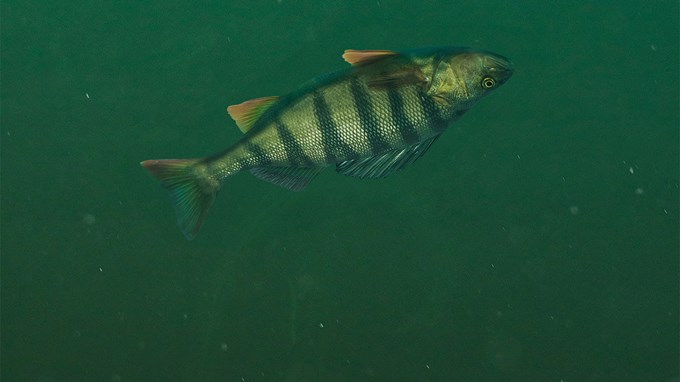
(245, 114)
(191, 194)
(363, 57)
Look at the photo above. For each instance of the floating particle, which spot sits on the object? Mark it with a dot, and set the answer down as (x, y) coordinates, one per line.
(89, 219)
(574, 210)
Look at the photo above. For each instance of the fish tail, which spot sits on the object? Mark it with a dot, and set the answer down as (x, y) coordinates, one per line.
(192, 192)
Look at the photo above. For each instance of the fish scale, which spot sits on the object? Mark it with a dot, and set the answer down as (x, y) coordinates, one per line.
(374, 118)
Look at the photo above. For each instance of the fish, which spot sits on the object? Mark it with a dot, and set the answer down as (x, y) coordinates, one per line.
(369, 120)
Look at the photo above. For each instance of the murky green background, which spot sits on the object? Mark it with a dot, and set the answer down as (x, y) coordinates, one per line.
(536, 241)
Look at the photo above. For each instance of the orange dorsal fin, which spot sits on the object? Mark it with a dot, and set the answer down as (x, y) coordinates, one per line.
(363, 57)
(246, 113)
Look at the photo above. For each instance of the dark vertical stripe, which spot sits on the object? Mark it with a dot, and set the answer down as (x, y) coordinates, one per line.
(368, 120)
(294, 153)
(333, 146)
(259, 156)
(408, 132)
(435, 121)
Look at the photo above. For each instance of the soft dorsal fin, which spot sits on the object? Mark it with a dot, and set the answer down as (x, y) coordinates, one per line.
(246, 113)
(362, 57)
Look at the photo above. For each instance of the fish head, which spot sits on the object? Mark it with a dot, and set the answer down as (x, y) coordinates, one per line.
(463, 76)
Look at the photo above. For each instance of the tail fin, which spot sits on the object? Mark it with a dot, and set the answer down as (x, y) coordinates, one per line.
(191, 194)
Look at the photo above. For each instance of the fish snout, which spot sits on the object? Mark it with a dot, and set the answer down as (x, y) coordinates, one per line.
(500, 67)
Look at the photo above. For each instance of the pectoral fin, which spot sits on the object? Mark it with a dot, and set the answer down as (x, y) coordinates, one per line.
(385, 76)
(382, 165)
(402, 77)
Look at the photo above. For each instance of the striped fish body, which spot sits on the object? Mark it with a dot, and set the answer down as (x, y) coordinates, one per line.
(337, 119)
(369, 120)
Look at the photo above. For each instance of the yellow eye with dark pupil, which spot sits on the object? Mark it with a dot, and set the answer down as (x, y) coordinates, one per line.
(488, 82)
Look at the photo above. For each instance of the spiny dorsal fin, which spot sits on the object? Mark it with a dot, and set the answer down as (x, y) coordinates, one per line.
(363, 57)
(246, 113)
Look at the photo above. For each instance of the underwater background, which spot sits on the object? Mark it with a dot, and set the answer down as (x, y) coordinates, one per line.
(536, 241)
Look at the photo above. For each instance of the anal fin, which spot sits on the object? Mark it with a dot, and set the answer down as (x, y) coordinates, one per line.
(292, 178)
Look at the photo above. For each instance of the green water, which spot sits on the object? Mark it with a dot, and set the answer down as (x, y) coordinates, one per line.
(536, 241)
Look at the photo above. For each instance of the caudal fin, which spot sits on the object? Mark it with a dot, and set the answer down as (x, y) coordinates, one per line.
(191, 195)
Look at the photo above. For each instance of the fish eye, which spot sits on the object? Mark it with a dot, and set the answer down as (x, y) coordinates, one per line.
(488, 82)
